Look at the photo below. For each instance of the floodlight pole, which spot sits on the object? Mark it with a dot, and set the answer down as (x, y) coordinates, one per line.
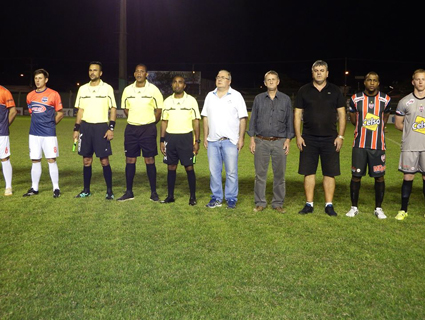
(122, 77)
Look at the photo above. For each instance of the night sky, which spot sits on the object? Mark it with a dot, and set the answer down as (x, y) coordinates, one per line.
(248, 38)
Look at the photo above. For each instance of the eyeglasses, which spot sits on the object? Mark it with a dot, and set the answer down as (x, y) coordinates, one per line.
(221, 78)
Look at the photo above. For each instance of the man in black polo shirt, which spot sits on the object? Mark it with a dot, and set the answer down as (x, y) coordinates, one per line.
(319, 105)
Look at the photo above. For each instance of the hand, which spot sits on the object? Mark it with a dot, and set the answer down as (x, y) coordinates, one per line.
(206, 143)
(252, 146)
(286, 146)
(240, 144)
(162, 147)
(338, 144)
(196, 148)
(109, 135)
(300, 143)
(75, 135)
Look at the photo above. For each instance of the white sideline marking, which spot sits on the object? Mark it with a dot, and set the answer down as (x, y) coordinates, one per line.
(393, 141)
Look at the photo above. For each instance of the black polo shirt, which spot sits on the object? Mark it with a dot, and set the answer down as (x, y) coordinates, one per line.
(320, 109)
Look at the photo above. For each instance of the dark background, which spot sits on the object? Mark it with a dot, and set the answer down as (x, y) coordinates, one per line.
(248, 38)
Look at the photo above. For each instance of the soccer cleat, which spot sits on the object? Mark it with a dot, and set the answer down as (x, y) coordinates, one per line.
(214, 203)
(379, 213)
(168, 200)
(231, 204)
(192, 202)
(353, 212)
(83, 194)
(109, 195)
(329, 209)
(154, 197)
(56, 193)
(258, 209)
(8, 192)
(31, 192)
(307, 209)
(128, 195)
(401, 215)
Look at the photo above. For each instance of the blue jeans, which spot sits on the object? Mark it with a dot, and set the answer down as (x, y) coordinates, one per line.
(220, 152)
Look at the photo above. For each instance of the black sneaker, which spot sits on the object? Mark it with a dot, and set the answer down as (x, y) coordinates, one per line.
(56, 193)
(154, 197)
(168, 200)
(128, 195)
(83, 194)
(307, 209)
(330, 211)
(192, 202)
(109, 195)
(31, 192)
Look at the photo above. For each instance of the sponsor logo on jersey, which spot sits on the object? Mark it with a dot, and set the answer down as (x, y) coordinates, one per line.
(371, 105)
(419, 125)
(38, 109)
(421, 108)
(371, 122)
(383, 158)
(44, 99)
(410, 102)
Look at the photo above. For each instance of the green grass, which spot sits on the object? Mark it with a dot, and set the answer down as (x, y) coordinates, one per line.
(89, 258)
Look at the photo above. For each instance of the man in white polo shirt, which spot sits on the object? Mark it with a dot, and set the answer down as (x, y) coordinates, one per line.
(224, 116)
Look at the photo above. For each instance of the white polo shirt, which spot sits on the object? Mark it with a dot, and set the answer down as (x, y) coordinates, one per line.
(224, 115)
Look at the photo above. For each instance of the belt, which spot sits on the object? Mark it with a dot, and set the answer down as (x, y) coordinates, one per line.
(223, 138)
(267, 138)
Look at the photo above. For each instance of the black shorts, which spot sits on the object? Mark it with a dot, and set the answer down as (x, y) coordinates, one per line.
(92, 140)
(324, 148)
(179, 147)
(138, 138)
(374, 160)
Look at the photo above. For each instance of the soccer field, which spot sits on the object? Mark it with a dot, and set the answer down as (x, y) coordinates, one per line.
(70, 258)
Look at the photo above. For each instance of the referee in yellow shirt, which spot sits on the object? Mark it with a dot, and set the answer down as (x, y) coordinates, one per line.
(95, 101)
(142, 102)
(177, 136)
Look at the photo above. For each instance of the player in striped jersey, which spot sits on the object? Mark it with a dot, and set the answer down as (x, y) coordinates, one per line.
(369, 111)
(45, 107)
(410, 118)
(7, 115)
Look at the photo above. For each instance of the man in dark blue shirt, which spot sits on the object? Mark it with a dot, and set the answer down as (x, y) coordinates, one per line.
(271, 130)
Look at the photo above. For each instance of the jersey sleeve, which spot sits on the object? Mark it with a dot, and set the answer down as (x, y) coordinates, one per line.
(159, 99)
(77, 99)
(7, 99)
(57, 102)
(195, 108)
(111, 96)
(352, 107)
(387, 105)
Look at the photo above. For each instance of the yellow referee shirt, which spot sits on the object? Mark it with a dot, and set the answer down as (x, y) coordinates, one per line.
(96, 102)
(141, 103)
(180, 113)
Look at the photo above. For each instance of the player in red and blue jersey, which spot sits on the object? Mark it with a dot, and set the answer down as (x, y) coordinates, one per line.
(7, 115)
(369, 112)
(45, 107)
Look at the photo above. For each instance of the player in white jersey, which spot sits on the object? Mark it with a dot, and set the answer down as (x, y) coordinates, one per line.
(410, 118)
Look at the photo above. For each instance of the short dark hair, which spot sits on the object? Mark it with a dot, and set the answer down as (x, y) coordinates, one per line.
(41, 71)
(179, 76)
(98, 63)
(372, 73)
(141, 65)
(271, 72)
(318, 63)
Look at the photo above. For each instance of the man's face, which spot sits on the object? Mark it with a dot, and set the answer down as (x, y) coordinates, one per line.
(320, 74)
(419, 81)
(140, 74)
(222, 80)
(178, 85)
(40, 81)
(94, 72)
(271, 81)
(371, 83)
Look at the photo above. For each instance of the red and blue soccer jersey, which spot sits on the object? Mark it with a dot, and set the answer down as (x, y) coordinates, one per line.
(6, 102)
(369, 132)
(42, 107)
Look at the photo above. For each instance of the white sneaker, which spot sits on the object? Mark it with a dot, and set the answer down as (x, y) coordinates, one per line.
(353, 212)
(8, 192)
(379, 213)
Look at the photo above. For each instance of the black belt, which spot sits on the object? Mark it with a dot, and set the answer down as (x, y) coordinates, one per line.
(267, 138)
(223, 138)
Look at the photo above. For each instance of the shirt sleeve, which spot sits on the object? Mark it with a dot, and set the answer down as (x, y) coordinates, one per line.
(112, 102)
(253, 121)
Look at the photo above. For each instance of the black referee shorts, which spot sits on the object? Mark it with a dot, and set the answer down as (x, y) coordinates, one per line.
(142, 138)
(179, 147)
(92, 140)
(323, 148)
